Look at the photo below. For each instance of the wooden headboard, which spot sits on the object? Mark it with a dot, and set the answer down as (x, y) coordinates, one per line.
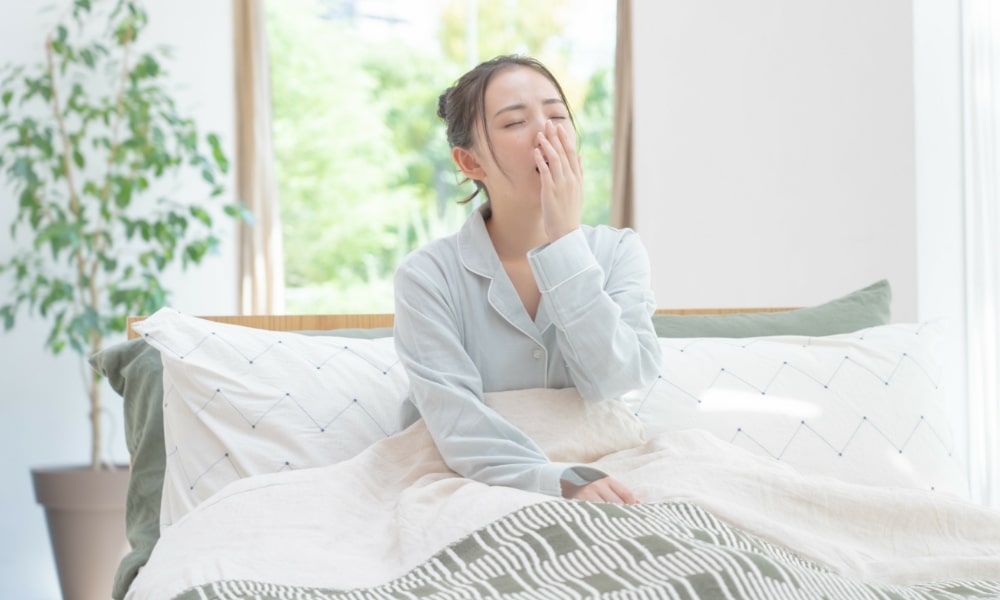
(369, 321)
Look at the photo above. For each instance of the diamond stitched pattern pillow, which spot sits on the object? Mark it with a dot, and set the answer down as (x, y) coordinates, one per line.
(863, 407)
(240, 401)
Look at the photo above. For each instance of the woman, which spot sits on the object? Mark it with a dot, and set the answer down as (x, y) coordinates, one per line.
(522, 296)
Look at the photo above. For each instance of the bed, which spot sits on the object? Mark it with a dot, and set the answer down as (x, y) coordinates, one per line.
(782, 453)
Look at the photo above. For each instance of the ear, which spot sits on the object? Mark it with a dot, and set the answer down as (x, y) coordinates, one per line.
(467, 163)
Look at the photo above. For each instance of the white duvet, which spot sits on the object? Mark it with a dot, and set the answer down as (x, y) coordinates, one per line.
(372, 518)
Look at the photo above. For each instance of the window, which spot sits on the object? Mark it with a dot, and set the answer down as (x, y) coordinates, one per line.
(364, 172)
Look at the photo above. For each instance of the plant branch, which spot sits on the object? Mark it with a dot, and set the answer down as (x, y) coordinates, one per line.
(115, 142)
(119, 112)
(67, 147)
(81, 266)
(99, 241)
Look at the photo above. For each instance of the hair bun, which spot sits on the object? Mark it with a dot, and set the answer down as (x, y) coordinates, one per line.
(443, 103)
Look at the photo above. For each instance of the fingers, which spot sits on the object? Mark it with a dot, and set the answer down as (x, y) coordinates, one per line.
(557, 151)
(547, 157)
(622, 492)
(573, 160)
(561, 180)
(608, 490)
(540, 164)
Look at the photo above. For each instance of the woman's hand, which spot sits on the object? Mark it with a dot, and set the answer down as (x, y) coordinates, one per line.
(561, 171)
(607, 489)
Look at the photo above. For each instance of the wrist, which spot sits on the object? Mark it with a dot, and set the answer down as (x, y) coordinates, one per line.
(561, 232)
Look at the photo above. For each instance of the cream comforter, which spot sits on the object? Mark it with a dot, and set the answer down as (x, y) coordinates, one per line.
(390, 508)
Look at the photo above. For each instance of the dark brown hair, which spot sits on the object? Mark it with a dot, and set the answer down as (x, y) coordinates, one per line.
(463, 104)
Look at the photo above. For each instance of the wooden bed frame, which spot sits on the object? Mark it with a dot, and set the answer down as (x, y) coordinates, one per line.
(373, 320)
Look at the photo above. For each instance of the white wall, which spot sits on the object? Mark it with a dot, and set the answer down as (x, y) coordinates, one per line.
(774, 158)
(788, 152)
(43, 413)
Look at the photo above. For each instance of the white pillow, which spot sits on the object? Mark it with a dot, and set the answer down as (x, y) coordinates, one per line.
(863, 407)
(239, 401)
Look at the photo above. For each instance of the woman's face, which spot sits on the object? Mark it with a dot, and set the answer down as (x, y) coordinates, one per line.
(519, 100)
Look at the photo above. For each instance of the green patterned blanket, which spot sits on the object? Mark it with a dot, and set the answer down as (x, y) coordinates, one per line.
(583, 550)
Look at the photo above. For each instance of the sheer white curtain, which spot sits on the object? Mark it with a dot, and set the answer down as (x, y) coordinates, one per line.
(981, 74)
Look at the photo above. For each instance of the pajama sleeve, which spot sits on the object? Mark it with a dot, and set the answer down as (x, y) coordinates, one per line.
(603, 315)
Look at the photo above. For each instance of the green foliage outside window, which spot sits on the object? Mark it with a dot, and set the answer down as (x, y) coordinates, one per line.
(364, 171)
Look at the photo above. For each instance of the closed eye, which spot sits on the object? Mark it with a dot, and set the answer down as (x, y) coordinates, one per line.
(509, 125)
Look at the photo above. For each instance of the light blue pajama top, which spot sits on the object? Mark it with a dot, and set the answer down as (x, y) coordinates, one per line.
(461, 330)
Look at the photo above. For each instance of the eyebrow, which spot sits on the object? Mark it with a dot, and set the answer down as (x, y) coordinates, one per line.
(546, 102)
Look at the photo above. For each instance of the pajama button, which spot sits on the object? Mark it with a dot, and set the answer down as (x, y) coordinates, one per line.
(537, 354)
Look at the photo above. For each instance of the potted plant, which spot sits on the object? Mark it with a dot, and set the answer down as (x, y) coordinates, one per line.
(91, 141)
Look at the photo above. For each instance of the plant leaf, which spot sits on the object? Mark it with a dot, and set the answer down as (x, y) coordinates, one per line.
(217, 153)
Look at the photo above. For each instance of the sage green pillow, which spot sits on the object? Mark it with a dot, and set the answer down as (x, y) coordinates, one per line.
(135, 372)
(867, 307)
